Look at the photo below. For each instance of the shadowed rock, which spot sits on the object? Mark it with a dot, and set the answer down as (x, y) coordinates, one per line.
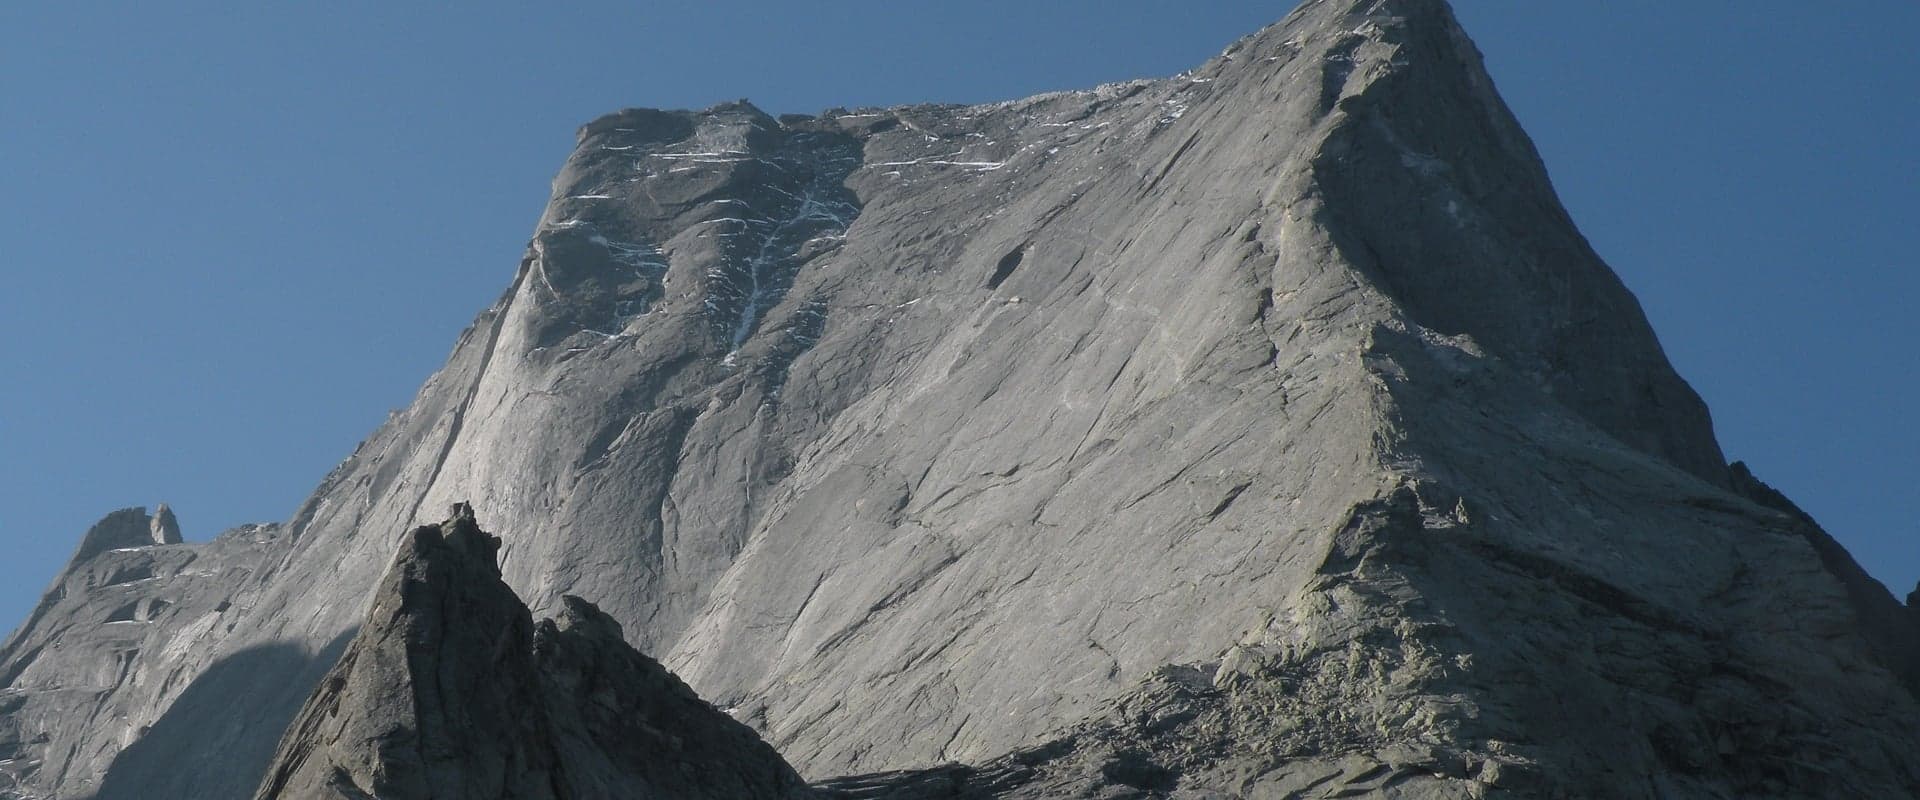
(450, 690)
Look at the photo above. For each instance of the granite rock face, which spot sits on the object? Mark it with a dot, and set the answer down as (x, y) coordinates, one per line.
(113, 648)
(1265, 429)
(450, 690)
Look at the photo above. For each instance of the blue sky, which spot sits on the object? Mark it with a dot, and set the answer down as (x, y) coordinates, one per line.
(238, 234)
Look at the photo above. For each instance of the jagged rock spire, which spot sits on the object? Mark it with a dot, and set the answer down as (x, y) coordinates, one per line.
(450, 690)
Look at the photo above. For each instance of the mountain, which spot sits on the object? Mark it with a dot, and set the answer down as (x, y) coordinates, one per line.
(1266, 429)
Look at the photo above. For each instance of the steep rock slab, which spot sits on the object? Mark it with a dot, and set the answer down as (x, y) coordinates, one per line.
(1573, 596)
(450, 690)
(1141, 397)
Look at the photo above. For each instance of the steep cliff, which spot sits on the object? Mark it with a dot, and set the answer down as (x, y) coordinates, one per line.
(1269, 428)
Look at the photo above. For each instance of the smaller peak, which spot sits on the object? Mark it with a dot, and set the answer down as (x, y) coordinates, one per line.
(127, 527)
(1748, 485)
(741, 106)
(460, 514)
(581, 616)
(639, 126)
(742, 112)
(448, 689)
(460, 533)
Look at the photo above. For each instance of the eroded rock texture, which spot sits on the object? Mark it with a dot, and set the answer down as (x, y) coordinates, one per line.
(1265, 429)
(450, 690)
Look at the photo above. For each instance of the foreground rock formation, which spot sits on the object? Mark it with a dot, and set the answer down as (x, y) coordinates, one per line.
(1266, 429)
(450, 690)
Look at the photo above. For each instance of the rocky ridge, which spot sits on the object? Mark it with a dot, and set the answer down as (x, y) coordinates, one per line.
(1269, 428)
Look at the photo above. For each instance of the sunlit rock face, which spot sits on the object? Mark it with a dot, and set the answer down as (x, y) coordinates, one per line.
(1264, 429)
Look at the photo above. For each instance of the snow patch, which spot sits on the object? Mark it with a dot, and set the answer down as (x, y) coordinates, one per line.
(946, 161)
(763, 259)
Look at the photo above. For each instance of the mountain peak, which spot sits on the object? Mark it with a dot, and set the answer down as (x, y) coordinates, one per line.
(460, 533)
(125, 528)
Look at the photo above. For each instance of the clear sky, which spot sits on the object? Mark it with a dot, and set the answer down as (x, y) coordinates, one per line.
(237, 234)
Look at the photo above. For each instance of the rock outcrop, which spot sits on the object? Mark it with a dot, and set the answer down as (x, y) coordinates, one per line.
(1268, 428)
(450, 690)
(121, 530)
(165, 528)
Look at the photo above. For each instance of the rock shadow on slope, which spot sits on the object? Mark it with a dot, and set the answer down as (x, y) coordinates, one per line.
(176, 757)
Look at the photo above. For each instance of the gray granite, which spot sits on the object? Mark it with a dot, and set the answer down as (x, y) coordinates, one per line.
(1268, 431)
